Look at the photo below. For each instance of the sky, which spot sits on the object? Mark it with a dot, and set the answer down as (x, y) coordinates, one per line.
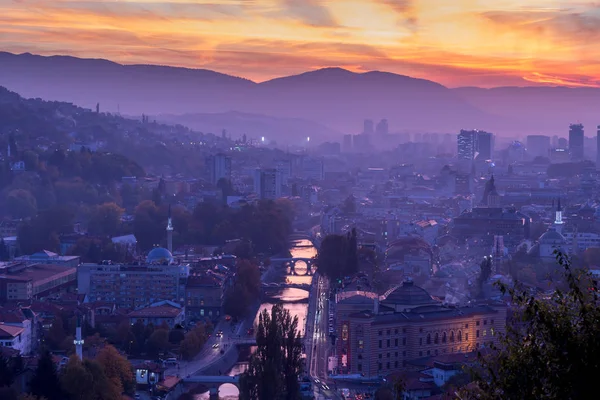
(484, 43)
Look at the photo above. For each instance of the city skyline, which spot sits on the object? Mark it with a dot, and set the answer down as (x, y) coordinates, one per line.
(466, 43)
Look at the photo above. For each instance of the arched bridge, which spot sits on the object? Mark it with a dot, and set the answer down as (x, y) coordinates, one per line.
(304, 286)
(213, 382)
(291, 263)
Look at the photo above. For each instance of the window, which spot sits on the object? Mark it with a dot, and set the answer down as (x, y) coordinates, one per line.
(485, 321)
(388, 332)
(404, 353)
(466, 326)
(403, 330)
(360, 356)
(396, 364)
(477, 333)
(387, 355)
(444, 337)
(459, 336)
(359, 367)
(396, 342)
(420, 341)
(451, 336)
(387, 365)
(420, 354)
(476, 323)
(403, 341)
(466, 336)
(396, 354)
(388, 343)
(395, 331)
(380, 333)
(428, 338)
(428, 352)
(491, 322)
(380, 344)
(361, 344)
(484, 332)
(380, 356)
(379, 366)
(437, 338)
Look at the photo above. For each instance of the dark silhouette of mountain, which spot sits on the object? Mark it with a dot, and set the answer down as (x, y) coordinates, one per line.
(541, 109)
(334, 97)
(283, 130)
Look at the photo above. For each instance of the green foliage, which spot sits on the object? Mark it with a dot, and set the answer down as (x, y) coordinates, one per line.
(105, 219)
(275, 366)
(41, 232)
(45, 379)
(338, 256)
(550, 349)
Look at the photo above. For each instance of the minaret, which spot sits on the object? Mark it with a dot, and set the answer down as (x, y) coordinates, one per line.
(170, 232)
(78, 340)
(558, 222)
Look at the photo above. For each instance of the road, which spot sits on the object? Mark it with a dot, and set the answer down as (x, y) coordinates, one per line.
(320, 342)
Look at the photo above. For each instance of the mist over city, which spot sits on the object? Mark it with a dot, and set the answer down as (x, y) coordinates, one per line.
(299, 199)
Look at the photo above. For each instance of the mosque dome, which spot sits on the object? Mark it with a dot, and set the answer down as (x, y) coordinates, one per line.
(159, 255)
(552, 237)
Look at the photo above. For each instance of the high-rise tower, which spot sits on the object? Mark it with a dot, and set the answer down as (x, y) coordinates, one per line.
(170, 232)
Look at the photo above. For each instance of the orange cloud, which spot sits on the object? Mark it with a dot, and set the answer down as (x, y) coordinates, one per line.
(463, 42)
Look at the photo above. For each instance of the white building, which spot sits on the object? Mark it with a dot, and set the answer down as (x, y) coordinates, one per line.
(17, 335)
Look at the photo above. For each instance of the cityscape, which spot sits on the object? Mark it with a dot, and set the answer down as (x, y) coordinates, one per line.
(171, 232)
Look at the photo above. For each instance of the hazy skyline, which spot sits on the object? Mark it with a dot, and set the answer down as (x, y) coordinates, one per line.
(457, 43)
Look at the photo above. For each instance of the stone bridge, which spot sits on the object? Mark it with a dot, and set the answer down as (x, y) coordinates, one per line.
(291, 263)
(304, 286)
(213, 382)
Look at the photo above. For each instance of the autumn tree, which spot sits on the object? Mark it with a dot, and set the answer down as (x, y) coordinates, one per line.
(44, 382)
(117, 369)
(105, 219)
(158, 342)
(245, 291)
(550, 349)
(21, 204)
(275, 366)
(338, 256)
(88, 380)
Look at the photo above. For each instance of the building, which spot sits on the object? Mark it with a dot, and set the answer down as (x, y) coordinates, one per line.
(475, 143)
(218, 166)
(368, 127)
(134, 285)
(18, 329)
(163, 312)
(49, 258)
(379, 336)
(484, 145)
(538, 145)
(20, 281)
(466, 145)
(284, 169)
(267, 183)
(347, 143)
(576, 142)
(382, 127)
(204, 295)
(486, 222)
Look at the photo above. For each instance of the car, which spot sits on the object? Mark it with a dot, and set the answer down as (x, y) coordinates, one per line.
(216, 346)
(220, 334)
(317, 381)
(137, 396)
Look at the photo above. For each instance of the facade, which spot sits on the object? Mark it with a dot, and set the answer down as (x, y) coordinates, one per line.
(164, 312)
(368, 127)
(267, 183)
(133, 286)
(218, 166)
(576, 142)
(14, 337)
(485, 145)
(376, 339)
(475, 142)
(204, 296)
(486, 222)
(20, 281)
(466, 145)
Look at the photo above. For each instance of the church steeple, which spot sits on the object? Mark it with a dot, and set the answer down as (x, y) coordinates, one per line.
(558, 222)
(170, 232)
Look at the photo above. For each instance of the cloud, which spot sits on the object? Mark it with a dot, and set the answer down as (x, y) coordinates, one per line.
(309, 12)
(406, 11)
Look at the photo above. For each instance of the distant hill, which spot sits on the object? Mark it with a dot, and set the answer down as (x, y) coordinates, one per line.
(284, 130)
(546, 109)
(334, 97)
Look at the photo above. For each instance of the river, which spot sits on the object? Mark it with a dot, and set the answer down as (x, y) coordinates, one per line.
(289, 297)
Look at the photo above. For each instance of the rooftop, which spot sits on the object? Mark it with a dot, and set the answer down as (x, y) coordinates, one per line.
(163, 311)
(9, 331)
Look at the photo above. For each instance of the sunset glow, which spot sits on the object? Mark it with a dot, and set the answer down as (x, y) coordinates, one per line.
(457, 43)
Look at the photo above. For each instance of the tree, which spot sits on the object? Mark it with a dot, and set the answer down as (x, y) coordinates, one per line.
(45, 379)
(4, 253)
(6, 373)
(21, 204)
(550, 349)
(338, 256)
(484, 274)
(148, 225)
(56, 333)
(275, 366)
(76, 380)
(245, 291)
(117, 369)
(176, 335)
(158, 342)
(105, 219)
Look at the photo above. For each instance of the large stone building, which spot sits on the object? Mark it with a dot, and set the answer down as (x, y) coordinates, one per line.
(378, 336)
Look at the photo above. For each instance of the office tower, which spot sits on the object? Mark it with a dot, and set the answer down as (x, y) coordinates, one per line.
(538, 145)
(218, 166)
(598, 148)
(368, 127)
(484, 144)
(576, 138)
(382, 127)
(466, 145)
(267, 183)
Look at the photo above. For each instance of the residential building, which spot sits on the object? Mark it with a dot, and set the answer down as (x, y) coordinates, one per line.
(368, 127)
(14, 337)
(538, 145)
(267, 183)
(218, 166)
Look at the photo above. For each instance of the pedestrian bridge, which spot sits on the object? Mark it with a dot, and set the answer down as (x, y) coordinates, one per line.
(291, 263)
